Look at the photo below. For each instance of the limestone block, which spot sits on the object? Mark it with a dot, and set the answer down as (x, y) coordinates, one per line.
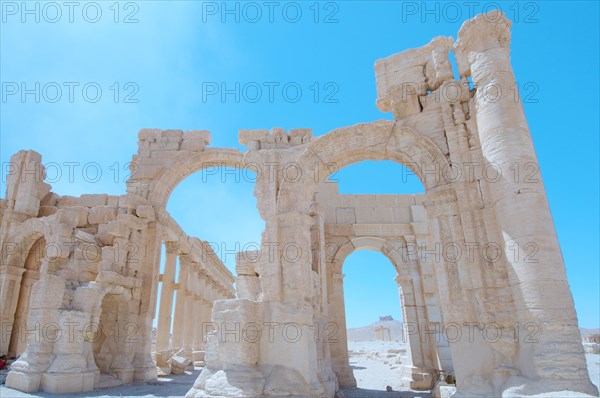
(47, 211)
(252, 137)
(443, 390)
(48, 292)
(93, 200)
(284, 381)
(149, 134)
(239, 382)
(230, 315)
(112, 200)
(195, 140)
(70, 217)
(302, 133)
(102, 214)
(345, 215)
(384, 215)
(163, 144)
(58, 383)
(113, 228)
(26, 382)
(365, 215)
(172, 134)
(68, 201)
(179, 364)
(402, 215)
(403, 77)
(51, 199)
(146, 212)
(131, 201)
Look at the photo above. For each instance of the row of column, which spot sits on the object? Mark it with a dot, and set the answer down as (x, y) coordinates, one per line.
(196, 292)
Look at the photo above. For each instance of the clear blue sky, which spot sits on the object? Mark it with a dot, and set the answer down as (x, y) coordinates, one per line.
(178, 48)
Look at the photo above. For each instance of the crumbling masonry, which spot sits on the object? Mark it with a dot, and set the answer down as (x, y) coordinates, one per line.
(68, 263)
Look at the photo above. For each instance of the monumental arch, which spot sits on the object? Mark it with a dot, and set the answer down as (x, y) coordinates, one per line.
(479, 268)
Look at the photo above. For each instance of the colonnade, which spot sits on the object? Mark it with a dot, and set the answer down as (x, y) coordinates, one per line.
(190, 286)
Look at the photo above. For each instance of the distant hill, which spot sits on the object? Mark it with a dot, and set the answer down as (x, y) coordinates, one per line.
(367, 333)
(587, 332)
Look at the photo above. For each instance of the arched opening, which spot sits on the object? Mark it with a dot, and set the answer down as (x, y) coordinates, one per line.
(217, 218)
(377, 177)
(377, 207)
(33, 262)
(113, 341)
(217, 204)
(375, 339)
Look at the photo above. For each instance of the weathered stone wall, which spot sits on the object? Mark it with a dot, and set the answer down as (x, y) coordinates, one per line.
(448, 133)
(67, 263)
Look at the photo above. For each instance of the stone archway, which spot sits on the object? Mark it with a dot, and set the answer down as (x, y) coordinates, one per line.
(33, 262)
(24, 256)
(114, 338)
(420, 372)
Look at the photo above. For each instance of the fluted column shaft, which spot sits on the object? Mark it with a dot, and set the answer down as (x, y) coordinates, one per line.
(163, 332)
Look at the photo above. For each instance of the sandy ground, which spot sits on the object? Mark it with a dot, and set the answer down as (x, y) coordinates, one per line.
(375, 367)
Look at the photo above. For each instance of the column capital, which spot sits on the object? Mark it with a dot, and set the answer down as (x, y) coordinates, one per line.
(185, 260)
(171, 247)
(400, 279)
(339, 276)
(484, 32)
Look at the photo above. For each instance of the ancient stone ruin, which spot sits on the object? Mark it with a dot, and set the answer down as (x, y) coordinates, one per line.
(479, 269)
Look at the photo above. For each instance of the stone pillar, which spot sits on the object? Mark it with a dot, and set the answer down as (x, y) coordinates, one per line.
(417, 375)
(539, 282)
(18, 343)
(210, 298)
(180, 315)
(46, 299)
(163, 332)
(339, 350)
(190, 314)
(10, 284)
(199, 316)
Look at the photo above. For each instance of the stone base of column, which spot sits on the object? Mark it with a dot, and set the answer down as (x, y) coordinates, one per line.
(418, 378)
(63, 383)
(198, 358)
(251, 382)
(144, 368)
(519, 386)
(240, 382)
(162, 357)
(22, 381)
(345, 376)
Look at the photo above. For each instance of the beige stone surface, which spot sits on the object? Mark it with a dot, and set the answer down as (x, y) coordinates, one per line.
(98, 278)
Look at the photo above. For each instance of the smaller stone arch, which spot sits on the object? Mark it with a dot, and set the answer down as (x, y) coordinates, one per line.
(416, 375)
(114, 338)
(374, 243)
(187, 165)
(18, 246)
(17, 249)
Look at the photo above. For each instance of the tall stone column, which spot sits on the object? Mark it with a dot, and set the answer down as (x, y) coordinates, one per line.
(199, 313)
(180, 310)
(190, 314)
(209, 295)
(10, 284)
(417, 374)
(339, 349)
(553, 355)
(163, 332)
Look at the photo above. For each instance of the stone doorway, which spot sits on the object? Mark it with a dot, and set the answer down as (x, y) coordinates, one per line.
(33, 262)
(112, 344)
